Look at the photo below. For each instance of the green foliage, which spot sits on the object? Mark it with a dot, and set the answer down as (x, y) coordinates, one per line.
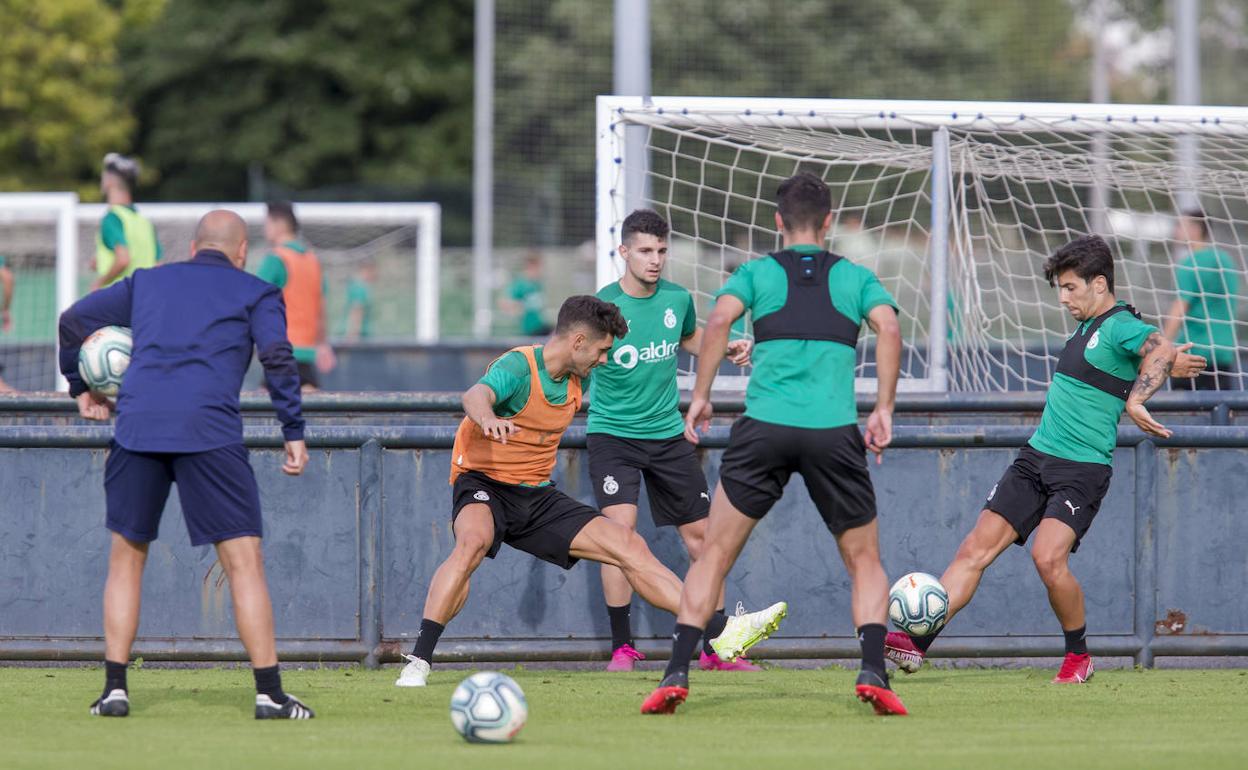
(59, 107)
(333, 92)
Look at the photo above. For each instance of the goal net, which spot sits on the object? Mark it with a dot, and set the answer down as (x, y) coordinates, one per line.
(49, 241)
(955, 206)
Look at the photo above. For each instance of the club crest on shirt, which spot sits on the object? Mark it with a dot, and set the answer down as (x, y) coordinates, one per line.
(1096, 339)
(609, 485)
(669, 318)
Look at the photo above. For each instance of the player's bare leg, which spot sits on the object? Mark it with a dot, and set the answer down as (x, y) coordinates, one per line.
(243, 562)
(619, 597)
(448, 590)
(122, 596)
(1051, 554)
(694, 536)
(991, 535)
(860, 550)
(607, 542)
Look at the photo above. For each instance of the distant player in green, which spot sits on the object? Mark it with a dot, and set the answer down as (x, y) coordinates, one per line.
(807, 306)
(1112, 363)
(127, 240)
(526, 299)
(7, 282)
(1208, 283)
(635, 427)
(358, 320)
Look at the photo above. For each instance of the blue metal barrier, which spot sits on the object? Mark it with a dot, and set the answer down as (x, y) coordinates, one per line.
(352, 544)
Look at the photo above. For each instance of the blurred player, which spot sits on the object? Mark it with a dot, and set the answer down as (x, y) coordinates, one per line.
(294, 268)
(195, 324)
(7, 282)
(1208, 283)
(504, 453)
(127, 240)
(1113, 362)
(808, 306)
(358, 321)
(636, 430)
(526, 299)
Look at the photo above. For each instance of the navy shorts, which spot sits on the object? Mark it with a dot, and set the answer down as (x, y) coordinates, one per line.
(220, 499)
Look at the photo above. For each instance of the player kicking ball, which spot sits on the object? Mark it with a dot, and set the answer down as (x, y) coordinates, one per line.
(635, 429)
(501, 463)
(808, 306)
(1113, 362)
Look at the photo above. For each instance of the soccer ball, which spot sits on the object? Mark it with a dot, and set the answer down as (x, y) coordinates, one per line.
(488, 707)
(104, 358)
(918, 604)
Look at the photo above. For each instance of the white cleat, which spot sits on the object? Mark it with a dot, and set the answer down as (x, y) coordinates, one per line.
(414, 674)
(744, 630)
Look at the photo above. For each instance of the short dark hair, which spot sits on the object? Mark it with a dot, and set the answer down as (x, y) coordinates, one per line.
(646, 222)
(1088, 256)
(1197, 215)
(585, 310)
(285, 211)
(804, 201)
(124, 168)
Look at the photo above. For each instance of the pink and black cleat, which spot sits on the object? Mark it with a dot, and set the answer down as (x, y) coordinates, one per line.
(1076, 669)
(901, 650)
(713, 662)
(623, 658)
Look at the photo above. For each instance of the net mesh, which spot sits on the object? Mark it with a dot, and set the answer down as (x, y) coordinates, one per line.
(373, 262)
(1018, 190)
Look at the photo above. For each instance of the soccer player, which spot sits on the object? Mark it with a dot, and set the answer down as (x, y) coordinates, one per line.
(195, 324)
(501, 463)
(1113, 362)
(635, 427)
(1208, 283)
(7, 282)
(127, 240)
(808, 306)
(294, 268)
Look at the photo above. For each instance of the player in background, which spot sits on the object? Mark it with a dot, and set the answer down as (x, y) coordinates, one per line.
(1113, 362)
(127, 240)
(7, 283)
(808, 306)
(505, 450)
(293, 267)
(635, 429)
(195, 324)
(1208, 283)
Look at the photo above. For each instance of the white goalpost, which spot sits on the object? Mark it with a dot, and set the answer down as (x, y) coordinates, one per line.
(954, 205)
(49, 240)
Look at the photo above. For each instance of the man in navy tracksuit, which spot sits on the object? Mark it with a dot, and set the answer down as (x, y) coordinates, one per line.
(178, 420)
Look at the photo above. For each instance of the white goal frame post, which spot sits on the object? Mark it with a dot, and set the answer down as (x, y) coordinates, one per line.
(615, 114)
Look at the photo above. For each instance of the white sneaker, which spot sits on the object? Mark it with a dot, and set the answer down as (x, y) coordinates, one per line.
(414, 674)
(744, 630)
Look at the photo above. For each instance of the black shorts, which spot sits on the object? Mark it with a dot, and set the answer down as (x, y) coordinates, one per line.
(675, 483)
(308, 375)
(761, 456)
(541, 521)
(220, 499)
(1039, 486)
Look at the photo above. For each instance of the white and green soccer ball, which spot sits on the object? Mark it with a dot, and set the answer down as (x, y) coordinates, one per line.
(918, 604)
(488, 707)
(104, 358)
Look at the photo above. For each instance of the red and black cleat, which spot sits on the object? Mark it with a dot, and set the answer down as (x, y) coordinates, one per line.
(874, 690)
(1076, 669)
(664, 700)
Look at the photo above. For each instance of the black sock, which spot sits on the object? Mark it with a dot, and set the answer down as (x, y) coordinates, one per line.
(114, 676)
(1077, 640)
(685, 642)
(923, 642)
(621, 626)
(426, 639)
(714, 627)
(269, 682)
(871, 638)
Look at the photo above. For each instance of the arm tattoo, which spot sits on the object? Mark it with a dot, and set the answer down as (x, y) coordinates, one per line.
(1154, 369)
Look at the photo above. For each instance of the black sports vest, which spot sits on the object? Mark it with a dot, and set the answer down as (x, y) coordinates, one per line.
(1073, 363)
(808, 312)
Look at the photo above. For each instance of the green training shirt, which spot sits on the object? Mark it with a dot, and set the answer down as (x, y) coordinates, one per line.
(1080, 422)
(634, 394)
(509, 378)
(529, 294)
(1208, 281)
(804, 383)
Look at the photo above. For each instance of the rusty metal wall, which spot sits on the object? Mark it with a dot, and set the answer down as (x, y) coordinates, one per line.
(352, 544)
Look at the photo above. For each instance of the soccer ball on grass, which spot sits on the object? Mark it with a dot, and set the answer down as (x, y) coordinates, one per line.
(488, 707)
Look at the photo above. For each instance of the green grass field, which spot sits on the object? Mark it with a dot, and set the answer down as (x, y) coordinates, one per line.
(780, 718)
